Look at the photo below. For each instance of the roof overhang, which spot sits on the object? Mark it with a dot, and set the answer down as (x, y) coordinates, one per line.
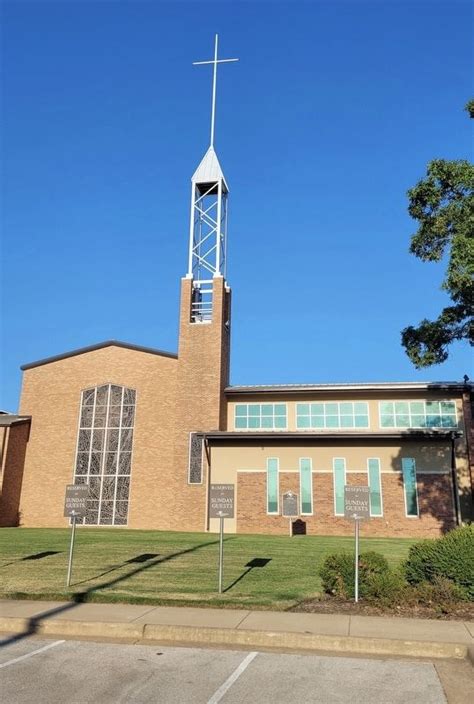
(9, 419)
(308, 437)
(320, 389)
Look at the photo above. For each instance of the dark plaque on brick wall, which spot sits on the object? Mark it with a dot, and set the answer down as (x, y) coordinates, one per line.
(195, 458)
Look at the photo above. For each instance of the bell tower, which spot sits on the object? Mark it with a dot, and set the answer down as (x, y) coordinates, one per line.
(204, 326)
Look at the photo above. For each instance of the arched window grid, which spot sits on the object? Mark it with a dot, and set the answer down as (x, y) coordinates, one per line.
(104, 451)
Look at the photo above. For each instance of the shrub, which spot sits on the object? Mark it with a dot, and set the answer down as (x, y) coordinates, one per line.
(337, 572)
(386, 588)
(451, 557)
(442, 594)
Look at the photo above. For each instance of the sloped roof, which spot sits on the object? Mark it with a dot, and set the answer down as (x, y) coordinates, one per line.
(98, 346)
(209, 170)
(351, 386)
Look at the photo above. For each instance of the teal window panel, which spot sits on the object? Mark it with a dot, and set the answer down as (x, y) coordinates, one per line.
(448, 407)
(387, 421)
(347, 421)
(332, 421)
(361, 408)
(280, 409)
(241, 410)
(253, 422)
(386, 408)
(317, 409)
(280, 421)
(339, 472)
(267, 409)
(417, 407)
(409, 486)
(433, 421)
(402, 421)
(267, 422)
(418, 421)
(303, 422)
(361, 421)
(241, 422)
(375, 487)
(306, 486)
(402, 408)
(254, 409)
(448, 421)
(331, 409)
(346, 408)
(302, 409)
(317, 422)
(272, 485)
(433, 407)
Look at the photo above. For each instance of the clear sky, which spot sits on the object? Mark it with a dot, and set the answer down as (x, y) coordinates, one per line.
(332, 113)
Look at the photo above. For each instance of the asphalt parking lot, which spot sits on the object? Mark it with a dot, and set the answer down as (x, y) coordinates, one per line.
(57, 671)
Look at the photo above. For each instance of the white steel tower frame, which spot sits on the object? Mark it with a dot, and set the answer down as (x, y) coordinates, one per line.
(208, 221)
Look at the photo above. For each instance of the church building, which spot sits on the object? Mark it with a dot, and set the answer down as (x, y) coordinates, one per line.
(150, 430)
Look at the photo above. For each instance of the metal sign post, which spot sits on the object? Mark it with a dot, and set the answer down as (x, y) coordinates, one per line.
(356, 507)
(221, 506)
(75, 503)
(289, 508)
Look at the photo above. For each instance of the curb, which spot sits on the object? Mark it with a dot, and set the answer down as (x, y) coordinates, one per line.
(151, 633)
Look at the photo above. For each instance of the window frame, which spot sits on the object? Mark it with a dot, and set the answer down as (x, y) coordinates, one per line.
(309, 459)
(277, 512)
(325, 414)
(410, 515)
(375, 459)
(260, 416)
(411, 414)
(334, 460)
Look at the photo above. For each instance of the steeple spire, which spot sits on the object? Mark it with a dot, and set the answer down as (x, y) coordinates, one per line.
(214, 61)
(208, 222)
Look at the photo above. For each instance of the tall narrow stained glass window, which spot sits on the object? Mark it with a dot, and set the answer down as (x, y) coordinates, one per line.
(375, 486)
(272, 485)
(339, 473)
(409, 485)
(306, 486)
(104, 452)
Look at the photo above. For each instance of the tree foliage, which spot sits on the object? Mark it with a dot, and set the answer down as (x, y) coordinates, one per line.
(443, 205)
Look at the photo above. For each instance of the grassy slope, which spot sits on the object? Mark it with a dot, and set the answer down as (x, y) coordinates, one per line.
(184, 570)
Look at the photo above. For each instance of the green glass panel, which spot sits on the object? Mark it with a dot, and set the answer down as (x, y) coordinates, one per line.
(418, 421)
(433, 421)
(432, 407)
(317, 422)
(417, 408)
(409, 484)
(347, 421)
(402, 421)
(346, 408)
(241, 422)
(386, 408)
(267, 421)
(387, 421)
(241, 410)
(448, 407)
(317, 409)
(331, 409)
(448, 421)
(361, 421)
(267, 409)
(303, 422)
(254, 409)
(401, 407)
(332, 421)
(305, 486)
(361, 408)
(254, 422)
(280, 421)
(339, 466)
(302, 409)
(272, 485)
(280, 409)
(375, 488)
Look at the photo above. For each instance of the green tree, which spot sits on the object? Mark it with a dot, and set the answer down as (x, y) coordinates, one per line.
(443, 205)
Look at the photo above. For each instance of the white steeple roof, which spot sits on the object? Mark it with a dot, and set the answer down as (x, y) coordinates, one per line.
(209, 170)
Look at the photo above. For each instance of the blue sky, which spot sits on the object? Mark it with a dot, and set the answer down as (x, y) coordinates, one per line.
(330, 116)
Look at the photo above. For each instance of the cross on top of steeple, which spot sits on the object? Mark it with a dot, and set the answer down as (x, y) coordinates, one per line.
(214, 61)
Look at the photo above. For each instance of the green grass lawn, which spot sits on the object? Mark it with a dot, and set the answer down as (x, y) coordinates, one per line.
(175, 568)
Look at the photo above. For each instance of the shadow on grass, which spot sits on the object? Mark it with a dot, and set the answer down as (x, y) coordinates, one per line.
(82, 597)
(256, 562)
(36, 556)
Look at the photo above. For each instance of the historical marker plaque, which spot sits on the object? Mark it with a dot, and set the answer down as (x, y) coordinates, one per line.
(289, 508)
(75, 500)
(356, 502)
(221, 501)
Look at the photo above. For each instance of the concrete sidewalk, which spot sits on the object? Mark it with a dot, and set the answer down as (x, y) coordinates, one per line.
(265, 629)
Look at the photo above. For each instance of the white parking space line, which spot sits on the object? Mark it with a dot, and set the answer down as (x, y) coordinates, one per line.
(217, 696)
(33, 652)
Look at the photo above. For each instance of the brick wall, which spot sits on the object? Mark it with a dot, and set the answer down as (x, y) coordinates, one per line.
(434, 498)
(15, 439)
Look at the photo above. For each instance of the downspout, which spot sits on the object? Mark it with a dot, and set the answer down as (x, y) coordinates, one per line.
(454, 479)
